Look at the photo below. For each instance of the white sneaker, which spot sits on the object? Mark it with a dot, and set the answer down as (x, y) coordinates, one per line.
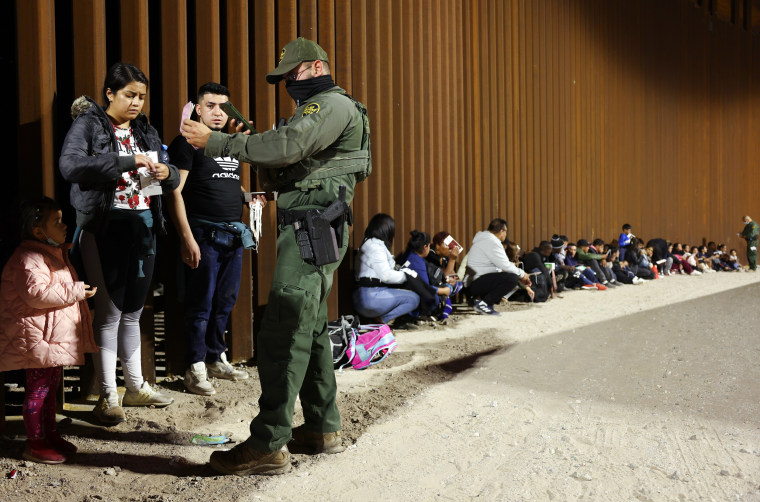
(224, 370)
(196, 380)
(146, 396)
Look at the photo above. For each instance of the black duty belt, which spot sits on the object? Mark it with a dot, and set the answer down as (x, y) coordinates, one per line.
(369, 282)
(289, 216)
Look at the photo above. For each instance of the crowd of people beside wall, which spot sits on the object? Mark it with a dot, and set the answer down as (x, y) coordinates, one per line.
(421, 282)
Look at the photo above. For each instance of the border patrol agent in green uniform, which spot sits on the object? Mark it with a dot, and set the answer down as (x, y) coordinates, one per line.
(750, 234)
(323, 148)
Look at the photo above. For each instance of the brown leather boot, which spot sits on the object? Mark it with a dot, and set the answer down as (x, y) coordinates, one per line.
(316, 442)
(243, 460)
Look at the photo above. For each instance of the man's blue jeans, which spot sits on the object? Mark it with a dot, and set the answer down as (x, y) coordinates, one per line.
(211, 291)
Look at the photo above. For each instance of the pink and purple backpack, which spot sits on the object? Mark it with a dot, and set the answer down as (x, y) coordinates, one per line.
(360, 346)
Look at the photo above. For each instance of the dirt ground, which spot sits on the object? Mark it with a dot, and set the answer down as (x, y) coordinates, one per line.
(638, 393)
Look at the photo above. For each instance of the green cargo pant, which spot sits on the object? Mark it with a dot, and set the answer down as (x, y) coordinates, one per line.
(752, 254)
(294, 356)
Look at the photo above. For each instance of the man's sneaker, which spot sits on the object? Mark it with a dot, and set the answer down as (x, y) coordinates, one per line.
(636, 280)
(601, 287)
(316, 442)
(196, 380)
(40, 450)
(146, 396)
(243, 460)
(108, 411)
(224, 370)
(588, 286)
(482, 307)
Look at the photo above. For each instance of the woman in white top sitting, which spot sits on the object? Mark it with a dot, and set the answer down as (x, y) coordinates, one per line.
(378, 294)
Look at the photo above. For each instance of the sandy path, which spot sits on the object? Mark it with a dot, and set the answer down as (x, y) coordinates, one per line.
(657, 405)
(644, 392)
(615, 411)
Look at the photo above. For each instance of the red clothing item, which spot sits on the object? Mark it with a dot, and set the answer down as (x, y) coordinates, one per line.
(44, 318)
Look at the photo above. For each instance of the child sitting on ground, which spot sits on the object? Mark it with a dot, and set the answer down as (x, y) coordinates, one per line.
(733, 259)
(44, 323)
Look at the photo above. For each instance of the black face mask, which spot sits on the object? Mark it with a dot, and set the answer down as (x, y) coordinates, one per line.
(301, 90)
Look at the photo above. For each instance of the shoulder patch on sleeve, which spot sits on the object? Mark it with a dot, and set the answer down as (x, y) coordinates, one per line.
(310, 108)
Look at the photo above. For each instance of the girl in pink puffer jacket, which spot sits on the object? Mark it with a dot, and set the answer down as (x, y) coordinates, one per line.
(44, 323)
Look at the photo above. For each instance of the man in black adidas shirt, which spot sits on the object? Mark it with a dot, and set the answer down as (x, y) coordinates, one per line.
(208, 198)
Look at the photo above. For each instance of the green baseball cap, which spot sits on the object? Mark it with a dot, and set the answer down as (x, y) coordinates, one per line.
(293, 54)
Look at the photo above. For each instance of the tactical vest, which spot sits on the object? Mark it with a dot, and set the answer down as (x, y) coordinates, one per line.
(309, 172)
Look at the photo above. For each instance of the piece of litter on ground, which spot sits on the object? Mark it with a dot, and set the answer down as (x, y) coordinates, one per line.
(204, 440)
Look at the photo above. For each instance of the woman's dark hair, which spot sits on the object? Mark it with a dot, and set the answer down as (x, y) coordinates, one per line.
(32, 214)
(513, 251)
(417, 241)
(382, 227)
(119, 75)
(440, 237)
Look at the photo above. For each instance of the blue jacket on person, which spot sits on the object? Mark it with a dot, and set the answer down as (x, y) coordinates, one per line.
(624, 240)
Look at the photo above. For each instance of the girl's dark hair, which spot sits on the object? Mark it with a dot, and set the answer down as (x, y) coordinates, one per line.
(417, 241)
(382, 227)
(32, 214)
(119, 75)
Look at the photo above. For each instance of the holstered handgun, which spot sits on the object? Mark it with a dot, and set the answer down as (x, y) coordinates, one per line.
(325, 242)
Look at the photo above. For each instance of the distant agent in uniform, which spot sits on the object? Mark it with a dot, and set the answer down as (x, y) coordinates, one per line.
(321, 151)
(750, 234)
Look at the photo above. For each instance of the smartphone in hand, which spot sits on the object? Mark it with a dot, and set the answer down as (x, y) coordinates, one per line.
(233, 112)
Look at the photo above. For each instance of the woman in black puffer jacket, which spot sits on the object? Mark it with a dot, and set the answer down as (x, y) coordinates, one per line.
(114, 161)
